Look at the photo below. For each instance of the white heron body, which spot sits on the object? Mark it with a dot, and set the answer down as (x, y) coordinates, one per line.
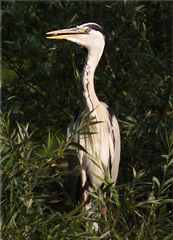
(103, 147)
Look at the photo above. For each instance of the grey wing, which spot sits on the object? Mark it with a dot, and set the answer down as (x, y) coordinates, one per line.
(115, 147)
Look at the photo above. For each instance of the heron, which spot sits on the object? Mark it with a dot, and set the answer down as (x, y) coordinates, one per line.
(103, 147)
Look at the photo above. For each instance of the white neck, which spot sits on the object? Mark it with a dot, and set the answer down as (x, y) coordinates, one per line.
(89, 96)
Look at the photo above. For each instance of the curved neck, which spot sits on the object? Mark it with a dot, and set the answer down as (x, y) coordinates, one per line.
(89, 96)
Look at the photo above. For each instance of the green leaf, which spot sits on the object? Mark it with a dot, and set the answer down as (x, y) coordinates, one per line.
(156, 180)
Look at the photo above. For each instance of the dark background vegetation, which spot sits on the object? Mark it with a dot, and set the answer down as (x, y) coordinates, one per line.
(40, 86)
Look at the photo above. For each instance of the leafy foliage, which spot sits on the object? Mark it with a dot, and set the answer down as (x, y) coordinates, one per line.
(40, 83)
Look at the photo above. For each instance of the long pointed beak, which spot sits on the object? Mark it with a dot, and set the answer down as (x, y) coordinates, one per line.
(65, 33)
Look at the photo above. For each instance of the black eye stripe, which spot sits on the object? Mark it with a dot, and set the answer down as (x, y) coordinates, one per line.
(96, 28)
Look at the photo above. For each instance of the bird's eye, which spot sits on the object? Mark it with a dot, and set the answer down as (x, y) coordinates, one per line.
(88, 29)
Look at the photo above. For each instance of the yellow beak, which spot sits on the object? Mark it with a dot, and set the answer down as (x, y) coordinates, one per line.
(65, 33)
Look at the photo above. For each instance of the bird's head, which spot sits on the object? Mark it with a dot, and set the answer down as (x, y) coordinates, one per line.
(88, 35)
